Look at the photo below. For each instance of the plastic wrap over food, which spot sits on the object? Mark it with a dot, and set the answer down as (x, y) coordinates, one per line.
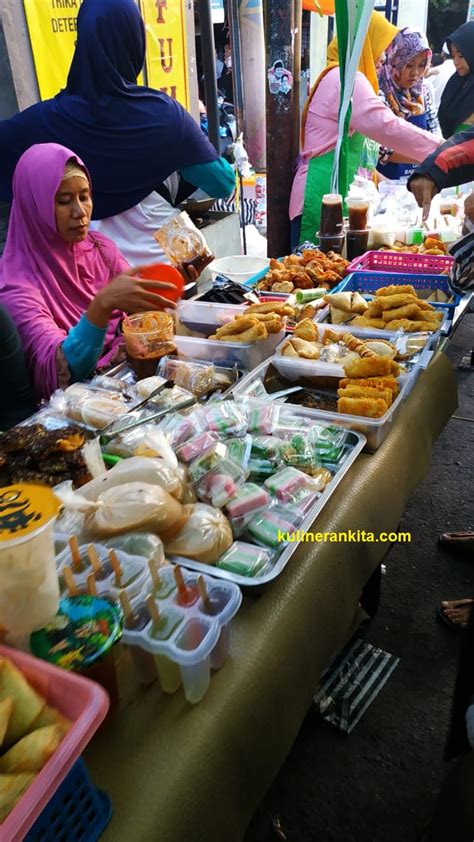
(144, 544)
(137, 469)
(134, 506)
(205, 536)
(96, 408)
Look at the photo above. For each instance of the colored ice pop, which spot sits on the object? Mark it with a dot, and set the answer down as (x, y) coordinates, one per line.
(137, 620)
(169, 673)
(187, 594)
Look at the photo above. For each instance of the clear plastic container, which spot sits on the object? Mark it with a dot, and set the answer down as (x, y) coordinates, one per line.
(245, 355)
(205, 316)
(246, 560)
(135, 572)
(187, 633)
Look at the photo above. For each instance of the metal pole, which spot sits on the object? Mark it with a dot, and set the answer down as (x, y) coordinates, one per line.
(297, 76)
(237, 84)
(279, 26)
(208, 50)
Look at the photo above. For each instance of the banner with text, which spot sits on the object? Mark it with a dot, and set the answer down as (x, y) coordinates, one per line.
(52, 26)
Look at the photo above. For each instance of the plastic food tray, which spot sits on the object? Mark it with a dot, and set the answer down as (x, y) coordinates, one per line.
(77, 811)
(82, 701)
(211, 633)
(394, 261)
(228, 353)
(375, 430)
(356, 443)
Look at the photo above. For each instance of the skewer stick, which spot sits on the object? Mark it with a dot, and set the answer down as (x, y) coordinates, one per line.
(126, 607)
(155, 576)
(180, 583)
(75, 553)
(92, 585)
(70, 581)
(116, 567)
(203, 591)
(153, 609)
(94, 559)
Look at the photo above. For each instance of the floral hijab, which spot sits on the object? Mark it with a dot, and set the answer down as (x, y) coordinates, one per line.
(404, 102)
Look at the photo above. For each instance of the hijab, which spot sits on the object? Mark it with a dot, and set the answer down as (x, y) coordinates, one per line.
(457, 102)
(380, 34)
(131, 137)
(405, 47)
(45, 283)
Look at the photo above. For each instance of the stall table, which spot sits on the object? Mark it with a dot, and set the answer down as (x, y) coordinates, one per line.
(178, 773)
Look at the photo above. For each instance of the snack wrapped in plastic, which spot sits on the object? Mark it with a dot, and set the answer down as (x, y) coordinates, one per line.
(205, 536)
(146, 387)
(92, 407)
(274, 527)
(136, 469)
(240, 450)
(214, 458)
(226, 418)
(198, 444)
(218, 486)
(245, 559)
(195, 377)
(183, 244)
(297, 452)
(144, 544)
(133, 506)
(179, 428)
(262, 419)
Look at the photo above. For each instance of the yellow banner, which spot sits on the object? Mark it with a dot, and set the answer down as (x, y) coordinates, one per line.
(52, 25)
(166, 54)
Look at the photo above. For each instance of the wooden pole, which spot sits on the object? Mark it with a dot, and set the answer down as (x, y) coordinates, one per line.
(297, 78)
(279, 34)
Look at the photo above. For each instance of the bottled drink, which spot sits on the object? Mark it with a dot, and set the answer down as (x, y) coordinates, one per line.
(331, 214)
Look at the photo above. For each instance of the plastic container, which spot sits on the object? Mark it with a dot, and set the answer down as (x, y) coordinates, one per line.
(135, 571)
(168, 274)
(148, 337)
(356, 242)
(77, 811)
(238, 267)
(398, 262)
(205, 316)
(331, 242)
(29, 591)
(83, 702)
(244, 355)
(189, 631)
(375, 430)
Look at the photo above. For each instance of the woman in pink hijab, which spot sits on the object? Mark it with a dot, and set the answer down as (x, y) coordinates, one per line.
(65, 288)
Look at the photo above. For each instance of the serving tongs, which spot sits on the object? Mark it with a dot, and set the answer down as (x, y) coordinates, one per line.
(105, 439)
(167, 384)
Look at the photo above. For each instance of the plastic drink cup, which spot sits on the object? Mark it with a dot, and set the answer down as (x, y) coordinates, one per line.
(331, 214)
(148, 338)
(358, 214)
(356, 243)
(81, 638)
(29, 586)
(167, 274)
(196, 677)
(331, 242)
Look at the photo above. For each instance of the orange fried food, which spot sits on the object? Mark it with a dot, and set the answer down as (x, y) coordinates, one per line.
(368, 367)
(410, 311)
(366, 392)
(372, 382)
(411, 326)
(396, 289)
(363, 321)
(366, 407)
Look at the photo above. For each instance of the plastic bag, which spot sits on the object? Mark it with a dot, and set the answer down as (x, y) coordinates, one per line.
(133, 506)
(205, 536)
(136, 469)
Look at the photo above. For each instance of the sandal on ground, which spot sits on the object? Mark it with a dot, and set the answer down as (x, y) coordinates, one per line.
(452, 624)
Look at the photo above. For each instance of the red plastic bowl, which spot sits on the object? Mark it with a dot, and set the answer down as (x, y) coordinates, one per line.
(167, 274)
(85, 703)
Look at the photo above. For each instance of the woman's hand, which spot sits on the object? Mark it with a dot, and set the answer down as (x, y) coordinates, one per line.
(130, 293)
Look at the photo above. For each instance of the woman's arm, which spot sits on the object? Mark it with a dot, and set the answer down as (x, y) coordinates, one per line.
(217, 178)
(375, 120)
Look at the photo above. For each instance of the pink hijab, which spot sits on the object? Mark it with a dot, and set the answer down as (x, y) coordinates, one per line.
(45, 283)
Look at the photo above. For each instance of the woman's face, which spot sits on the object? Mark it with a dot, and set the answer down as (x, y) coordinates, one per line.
(413, 71)
(73, 208)
(460, 62)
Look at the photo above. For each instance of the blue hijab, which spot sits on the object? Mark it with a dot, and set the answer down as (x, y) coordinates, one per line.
(131, 138)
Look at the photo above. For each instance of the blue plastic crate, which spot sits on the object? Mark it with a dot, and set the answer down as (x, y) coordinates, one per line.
(370, 282)
(78, 812)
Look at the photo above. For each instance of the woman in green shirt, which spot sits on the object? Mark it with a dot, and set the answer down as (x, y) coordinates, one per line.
(456, 110)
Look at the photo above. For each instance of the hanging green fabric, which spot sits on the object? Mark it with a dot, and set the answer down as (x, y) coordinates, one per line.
(318, 182)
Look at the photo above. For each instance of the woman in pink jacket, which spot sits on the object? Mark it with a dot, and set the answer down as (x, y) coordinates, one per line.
(370, 118)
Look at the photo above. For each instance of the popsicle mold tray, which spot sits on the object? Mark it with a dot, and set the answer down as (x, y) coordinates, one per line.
(135, 571)
(191, 636)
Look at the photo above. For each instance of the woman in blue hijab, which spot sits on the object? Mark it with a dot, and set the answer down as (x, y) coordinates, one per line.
(132, 138)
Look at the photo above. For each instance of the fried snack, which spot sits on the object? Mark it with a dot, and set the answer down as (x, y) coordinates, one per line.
(410, 326)
(348, 302)
(372, 382)
(27, 703)
(32, 752)
(255, 333)
(12, 788)
(306, 329)
(6, 710)
(433, 243)
(50, 716)
(357, 345)
(277, 307)
(283, 286)
(369, 367)
(238, 325)
(394, 368)
(432, 316)
(367, 407)
(381, 348)
(272, 321)
(301, 348)
(395, 289)
(393, 302)
(410, 311)
(366, 392)
(303, 281)
(363, 321)
(374, 310)
(330, 336)
(340, 317)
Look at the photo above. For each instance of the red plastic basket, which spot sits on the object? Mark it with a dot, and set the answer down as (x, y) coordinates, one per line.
(396, 261)
(82, 701)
